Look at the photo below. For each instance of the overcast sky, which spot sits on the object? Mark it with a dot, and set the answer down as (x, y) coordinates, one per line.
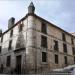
(59, 12)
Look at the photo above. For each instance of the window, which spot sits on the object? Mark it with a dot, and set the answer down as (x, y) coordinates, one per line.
(0, 49)
(56, 59)
(74, 59)
(2, 39)
(72, 41)
(10, 45)
(44, 41)
(44, 57)
(44, 28)
(73, 50)
(8, 61)
(55, 45)
(11, 33)
(20, 27)
(65, 59)
(63, 37)
(64, 47)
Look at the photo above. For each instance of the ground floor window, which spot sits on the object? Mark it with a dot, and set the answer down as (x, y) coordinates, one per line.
(8, 61)
(44, 56)
(65, 60)
(56, 59)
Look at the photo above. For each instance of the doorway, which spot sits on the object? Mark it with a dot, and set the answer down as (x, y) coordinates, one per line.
(18, 64)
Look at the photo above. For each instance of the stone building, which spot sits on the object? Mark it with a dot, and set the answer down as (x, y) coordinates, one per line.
(34, 45)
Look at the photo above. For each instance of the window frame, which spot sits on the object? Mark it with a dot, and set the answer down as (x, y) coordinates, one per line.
(43, 28)
(0, 48)
(56, 59)
(20, 27)
(65, 60)
(10, 45)
(64, 48)
(43, 41)
(44, 57)
(63, 37)
(73, 50)
(8, 62)
(56, 45)
(11, 33)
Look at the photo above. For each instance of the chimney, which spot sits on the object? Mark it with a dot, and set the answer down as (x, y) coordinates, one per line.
(31, 8)
(11, 22)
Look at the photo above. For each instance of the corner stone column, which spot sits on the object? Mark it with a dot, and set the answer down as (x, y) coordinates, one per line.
(30, 51)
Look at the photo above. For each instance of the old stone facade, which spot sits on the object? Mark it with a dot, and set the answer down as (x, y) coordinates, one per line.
(34, 45)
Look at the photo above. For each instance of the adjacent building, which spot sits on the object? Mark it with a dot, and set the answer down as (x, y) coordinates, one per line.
(34, 45)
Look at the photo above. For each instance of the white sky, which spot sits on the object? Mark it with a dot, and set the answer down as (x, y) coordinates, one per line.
(59, 12)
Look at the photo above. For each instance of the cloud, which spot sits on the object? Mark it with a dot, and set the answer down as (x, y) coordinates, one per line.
(59, 12)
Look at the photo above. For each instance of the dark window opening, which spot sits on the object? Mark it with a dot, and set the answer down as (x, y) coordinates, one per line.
(20, 27)
(44, 41)
(73, 50)
(64, 47)
(44, 28)
(56, 45)
(0, 49)
(2, 39)
(10, 45)
(11, 33)
(65, 59)
(72, 41)
(74, 59)
(56, 59)
(44, 57)
(8, 61)
(63, 37)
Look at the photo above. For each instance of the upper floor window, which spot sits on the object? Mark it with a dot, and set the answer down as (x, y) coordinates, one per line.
(56, 45)
(10, 45)
(63, 37)
(56, 59)
(65, 60)
(0, 49)
(73, 50)
(65, 47)
(44, 28)
(20, 27)
(43, 41)
(8, 61)
(11, 33)
(2, 39)
(44, 56)
(72, 41)
(74, 59)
